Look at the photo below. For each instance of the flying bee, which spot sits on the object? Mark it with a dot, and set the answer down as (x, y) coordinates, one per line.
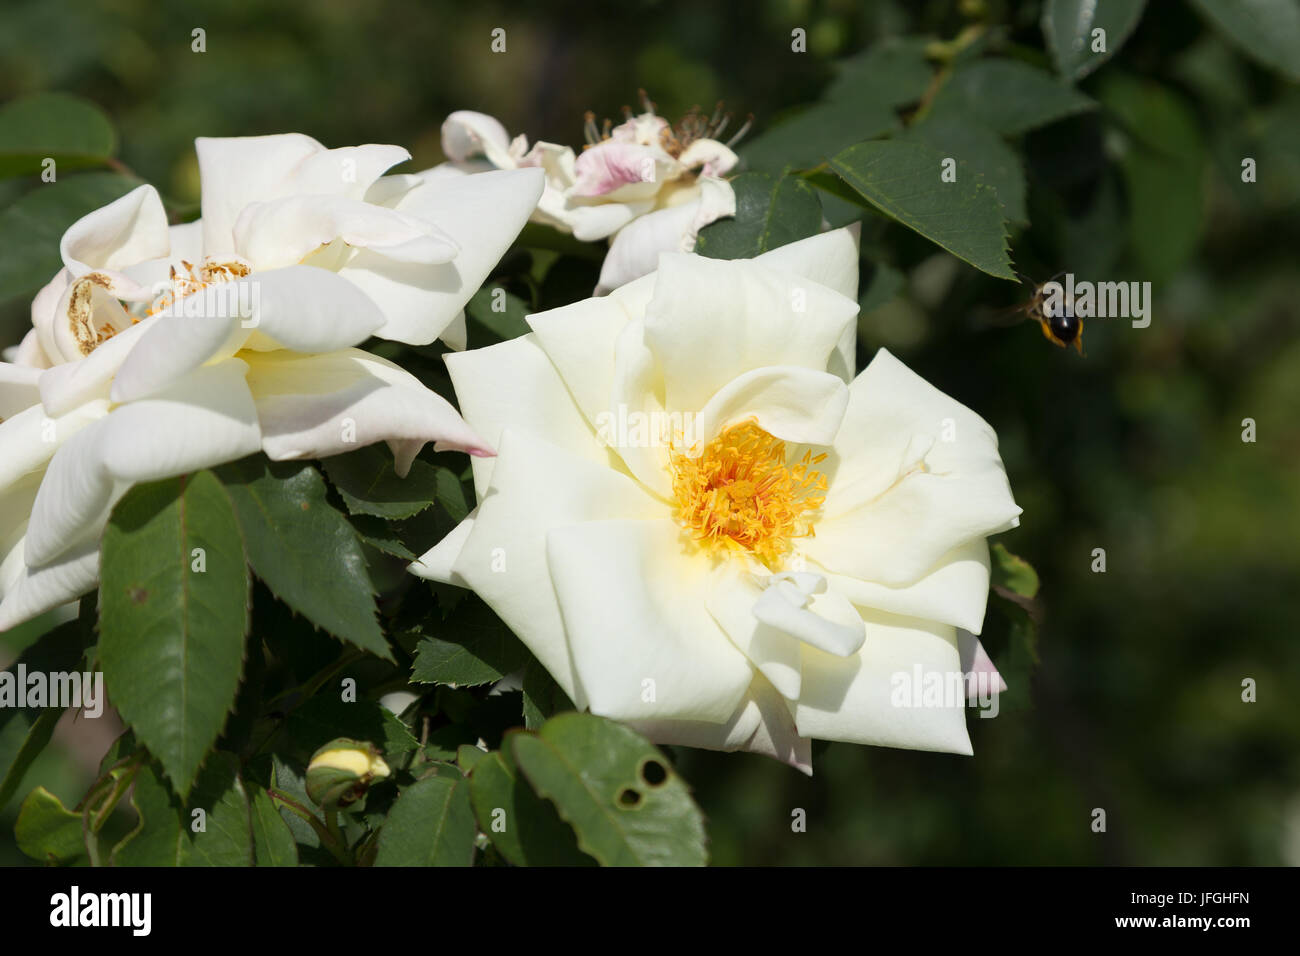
(1056, 320)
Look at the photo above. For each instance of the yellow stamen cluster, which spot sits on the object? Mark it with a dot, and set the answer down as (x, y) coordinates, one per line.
(190, 281)
(739, 493)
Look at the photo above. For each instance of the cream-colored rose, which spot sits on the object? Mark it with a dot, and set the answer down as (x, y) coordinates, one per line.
(159, 350)
(703, 523)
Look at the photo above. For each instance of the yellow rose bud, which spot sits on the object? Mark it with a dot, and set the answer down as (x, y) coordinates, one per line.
(342, 771)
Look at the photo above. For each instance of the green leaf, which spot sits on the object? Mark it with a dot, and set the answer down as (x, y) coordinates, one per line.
(983, 153)
(379, 535)
(369, 485)
(30, 229)
(894, 72)
(1007, 96)
(1163, 162)
(471, 647)
(468, 757)
(502, 313)
(305, 550)
(273, 843)
(771, 211)
(431, 824)
(327, 716)
(1013, 573)
(73, 132)
(167, 834)
(1068, 26)
(811, 137)
(48, 831)
(618, 792)
(173, 601)
(526, 829)
(25, 731)
(903, 181)
(543, 697)
(1268, 31)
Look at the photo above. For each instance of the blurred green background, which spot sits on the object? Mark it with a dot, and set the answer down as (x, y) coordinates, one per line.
(1137, 448)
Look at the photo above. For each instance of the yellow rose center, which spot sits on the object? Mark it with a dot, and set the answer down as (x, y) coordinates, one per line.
(740, 494)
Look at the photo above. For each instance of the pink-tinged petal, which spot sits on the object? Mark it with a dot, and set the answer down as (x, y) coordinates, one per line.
(313, 406)
(467, 135)
(982, 677)
(610, 166)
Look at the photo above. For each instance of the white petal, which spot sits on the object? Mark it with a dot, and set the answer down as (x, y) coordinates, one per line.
(301, 308)
(30, 438)
(635, 249)
(802, 605)
(40, 589)
(643, 642)
(580, 340)
(438, 562)
(74, 383)
(954, 592)
(710, 156)
(762, 724)
(19, 389)
(868, 699)
(734, 591)
(126, 231)
(203, 421)
(829, 258)
(313, 406)
(237, 171)
(482, 214)
(537, 487)
(756, 317)
(456, 335)
(901, 497)
(28, 352)
(467, 134)
(791, 403)
(514, 385)
(285, 231)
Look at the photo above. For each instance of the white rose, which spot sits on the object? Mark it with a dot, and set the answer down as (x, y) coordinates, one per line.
(660, 526)
(649, 186)
(166, 349)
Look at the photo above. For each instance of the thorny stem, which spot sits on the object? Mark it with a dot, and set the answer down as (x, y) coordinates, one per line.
(330, 836)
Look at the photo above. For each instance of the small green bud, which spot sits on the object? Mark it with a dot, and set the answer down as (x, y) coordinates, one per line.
(342, 771)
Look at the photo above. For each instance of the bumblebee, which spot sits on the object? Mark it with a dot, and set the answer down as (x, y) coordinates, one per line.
(1063, 329)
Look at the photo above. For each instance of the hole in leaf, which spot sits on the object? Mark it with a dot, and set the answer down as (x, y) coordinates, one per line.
(628, 798)
(654, 773)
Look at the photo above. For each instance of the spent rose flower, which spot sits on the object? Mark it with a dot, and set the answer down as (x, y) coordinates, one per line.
(703, 523)
(158, 350)
(650, 186)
